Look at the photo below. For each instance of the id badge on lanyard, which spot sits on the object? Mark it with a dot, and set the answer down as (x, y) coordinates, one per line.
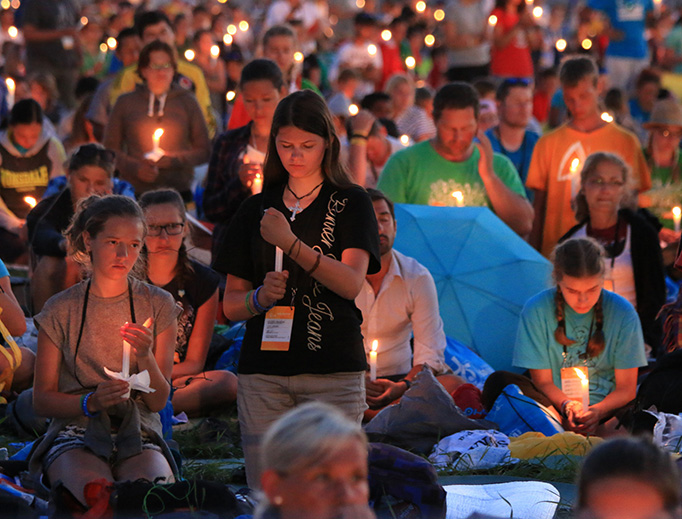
(277, 329)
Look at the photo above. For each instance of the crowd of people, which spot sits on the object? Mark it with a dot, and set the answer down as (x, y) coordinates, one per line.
(288, 131)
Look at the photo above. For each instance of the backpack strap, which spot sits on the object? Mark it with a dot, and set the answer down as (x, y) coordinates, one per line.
(14, 359)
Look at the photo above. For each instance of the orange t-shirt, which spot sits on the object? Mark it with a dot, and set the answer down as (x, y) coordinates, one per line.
(555, 168)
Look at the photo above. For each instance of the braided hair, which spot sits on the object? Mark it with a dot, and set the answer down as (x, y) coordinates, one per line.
(579, 258)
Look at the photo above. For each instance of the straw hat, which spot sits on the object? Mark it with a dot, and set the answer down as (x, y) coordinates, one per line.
(666, 112)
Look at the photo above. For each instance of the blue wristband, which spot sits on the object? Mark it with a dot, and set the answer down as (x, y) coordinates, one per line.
(261, 309)
(84, 405)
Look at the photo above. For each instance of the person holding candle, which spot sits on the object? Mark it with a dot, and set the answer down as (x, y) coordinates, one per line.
(512, 38)
(29, 157)
(577, 324)
(326, 227)
(399, 306)
(212, 66)
(158, 103)
(238, 154)
(554, 174)
(195, 288)
(634, 267)
(82, 331)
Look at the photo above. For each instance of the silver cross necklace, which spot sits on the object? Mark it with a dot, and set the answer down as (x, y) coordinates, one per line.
(296, 208)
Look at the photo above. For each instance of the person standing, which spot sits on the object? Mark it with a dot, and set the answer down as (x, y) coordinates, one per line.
(309, 347)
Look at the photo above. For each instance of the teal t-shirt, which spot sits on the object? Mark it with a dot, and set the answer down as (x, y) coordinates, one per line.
(536, 347)
(419, 175)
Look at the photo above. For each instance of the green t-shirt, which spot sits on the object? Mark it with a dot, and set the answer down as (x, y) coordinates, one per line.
(419, 175)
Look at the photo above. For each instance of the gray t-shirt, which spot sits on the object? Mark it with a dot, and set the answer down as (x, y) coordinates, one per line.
(101, 343)
(471, 19)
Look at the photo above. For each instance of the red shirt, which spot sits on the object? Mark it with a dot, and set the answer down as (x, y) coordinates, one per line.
(514, 59)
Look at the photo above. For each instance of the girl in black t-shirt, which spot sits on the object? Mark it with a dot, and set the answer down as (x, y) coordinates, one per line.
(195, 288)
(326, 229)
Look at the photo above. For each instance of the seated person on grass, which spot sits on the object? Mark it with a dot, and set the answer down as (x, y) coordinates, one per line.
(397, 302)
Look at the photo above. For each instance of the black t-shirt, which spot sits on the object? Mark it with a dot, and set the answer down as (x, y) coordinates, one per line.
(191, 294)
(326, 334)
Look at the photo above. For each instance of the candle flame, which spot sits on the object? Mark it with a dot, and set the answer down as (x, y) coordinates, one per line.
(580, 373)
(215, 51)
(586, 44)
(13, 32)
(421, 6)
(405, 140)
(375, 345)
(371, 49)
(148, 322)
(537, 12)
(158, 133)
(492, 20)
(439, 15)
(111, 42)
(11, 85)
(232, 29)
(410, 62)
(353, 109)
(230, 95)
(575, 164)
(30, 201)
(227, 39)
(189, 54)
(677, 211)
(561, 45)
(429, 40)
(386, 35)
(299, 57)
(459, 196)
(103, 47)
(243, 26)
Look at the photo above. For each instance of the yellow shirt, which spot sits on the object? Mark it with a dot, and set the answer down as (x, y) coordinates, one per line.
(556, 164)
(127, 79)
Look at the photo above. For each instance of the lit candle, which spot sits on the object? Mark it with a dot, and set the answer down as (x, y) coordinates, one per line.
(606, 117)
(11, 89)
(677, 216)
(125, 363)
(31, 201)
(584, 387)
(575, 164)
(215, 52)
(404, 140)
(103, 49)
(257, 184)
(353, 109)
(537, 12)
(373, 361)
(492, 20)
(459, 198)
(561, 45)
(410, 62)
(371, 49)
(156, 137)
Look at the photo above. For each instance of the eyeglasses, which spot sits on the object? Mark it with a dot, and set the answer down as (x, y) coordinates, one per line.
(172, 229)
(160, 66)
(90, 152)
(599, 183)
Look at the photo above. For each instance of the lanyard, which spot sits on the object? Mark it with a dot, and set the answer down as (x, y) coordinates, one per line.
(82, 325)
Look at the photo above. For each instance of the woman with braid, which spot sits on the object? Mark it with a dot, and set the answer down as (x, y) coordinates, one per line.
(578, 324)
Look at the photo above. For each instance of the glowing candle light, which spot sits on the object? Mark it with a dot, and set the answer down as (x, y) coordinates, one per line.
(420, 6)
(215, 52)
(386, 35)
(257, 187)
(103, 49)
(11, 89)
(125, 362)
(606, 117)
(492, 20)
(243, 26)
(353, 109)
(230, 95)
(439, 15)
(189, 55)
(232, 29)
(31, 201)
(360, 4)
(537, 12)
(227, 39)
(112, 43)
(404, 140)
(459, 198)
(156, 138)
(13, 32)
(373, 361)
(298, 57)
(371, 49)
(84, 20)
(677, 217)
(584, 387)
(575, 164)
(561, 45)
(429, 40)
(410, 62)
(586, 44)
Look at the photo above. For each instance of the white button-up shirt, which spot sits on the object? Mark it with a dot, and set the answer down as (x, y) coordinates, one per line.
(407, 304)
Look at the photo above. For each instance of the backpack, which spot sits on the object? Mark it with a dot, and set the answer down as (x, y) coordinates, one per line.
(402, 484)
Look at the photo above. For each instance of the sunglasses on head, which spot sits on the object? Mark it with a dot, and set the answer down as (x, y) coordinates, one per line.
(516, 81)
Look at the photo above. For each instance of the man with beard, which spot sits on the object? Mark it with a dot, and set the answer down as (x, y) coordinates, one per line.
(451, 169)
(397, 303)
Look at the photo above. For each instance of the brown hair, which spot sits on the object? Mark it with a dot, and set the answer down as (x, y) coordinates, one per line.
(578, 258)
(306, 111)
(183, 268)
(576, 68)
(592, 162)
(92, 214)
(155, 46)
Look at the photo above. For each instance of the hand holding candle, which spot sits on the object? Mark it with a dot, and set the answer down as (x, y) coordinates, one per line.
(584, 386)
(125, 363)
(373, 361)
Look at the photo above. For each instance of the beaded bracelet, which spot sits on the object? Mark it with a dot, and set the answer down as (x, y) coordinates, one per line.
(248, 305)
(261, 309)
(291, 249)
(317, 264)
(84, 405)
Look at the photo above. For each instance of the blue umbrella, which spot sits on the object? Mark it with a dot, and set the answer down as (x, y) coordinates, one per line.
(484, 273)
